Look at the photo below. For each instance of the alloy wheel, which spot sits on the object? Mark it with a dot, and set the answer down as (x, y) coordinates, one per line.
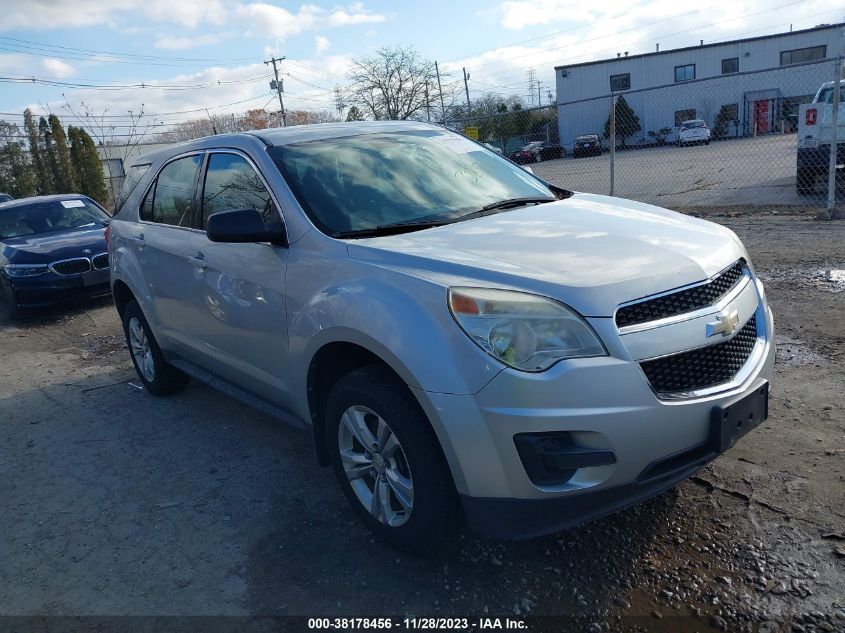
(141, 351)
(375, 464)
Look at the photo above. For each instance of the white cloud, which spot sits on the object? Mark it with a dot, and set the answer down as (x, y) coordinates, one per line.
(358, 16)
(517, 14)
(184, 43)
(54, 14)
(58, 68)
(321, 44)
(273, 21)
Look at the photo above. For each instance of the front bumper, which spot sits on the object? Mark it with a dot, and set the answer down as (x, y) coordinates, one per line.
(818, 158)
(604, 404)
(50, 288)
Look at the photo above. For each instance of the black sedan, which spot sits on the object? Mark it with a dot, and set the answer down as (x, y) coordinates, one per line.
(536, 152)
(52, 248)
(587, 145)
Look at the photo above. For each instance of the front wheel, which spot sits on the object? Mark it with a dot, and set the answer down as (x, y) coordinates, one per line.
(388, 461)
(8, 303)
(159, 377)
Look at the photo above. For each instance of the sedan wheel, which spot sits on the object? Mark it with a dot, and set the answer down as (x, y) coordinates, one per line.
(376, 466)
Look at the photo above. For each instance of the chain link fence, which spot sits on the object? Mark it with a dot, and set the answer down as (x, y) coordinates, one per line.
(724, 142)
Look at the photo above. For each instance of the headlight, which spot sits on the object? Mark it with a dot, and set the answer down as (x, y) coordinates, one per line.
(25, 270)
(525, 331)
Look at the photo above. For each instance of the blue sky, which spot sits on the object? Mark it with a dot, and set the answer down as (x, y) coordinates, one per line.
(219, 45)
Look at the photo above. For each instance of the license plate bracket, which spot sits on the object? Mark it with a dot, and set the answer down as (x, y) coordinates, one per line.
(733, 419)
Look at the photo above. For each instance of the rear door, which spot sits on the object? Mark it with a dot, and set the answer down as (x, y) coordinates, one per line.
(161, 242)
(239, 289)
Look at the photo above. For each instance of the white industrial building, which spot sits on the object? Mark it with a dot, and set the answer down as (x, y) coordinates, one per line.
(760, 82)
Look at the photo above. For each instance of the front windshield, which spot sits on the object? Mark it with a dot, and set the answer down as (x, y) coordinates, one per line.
(691, 124)
(49, 216)
(369, 181)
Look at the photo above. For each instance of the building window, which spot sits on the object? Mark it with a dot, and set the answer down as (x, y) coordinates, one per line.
(802, 55)
(685, 73)
(620, 82)
(682, 116)
(730, 65)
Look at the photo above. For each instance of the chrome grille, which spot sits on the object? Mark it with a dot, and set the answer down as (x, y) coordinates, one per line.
(703, 367)
(72, 266)
(683, 301)
(100, 261)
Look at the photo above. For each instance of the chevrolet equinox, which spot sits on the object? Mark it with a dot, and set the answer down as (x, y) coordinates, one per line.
(460, 337)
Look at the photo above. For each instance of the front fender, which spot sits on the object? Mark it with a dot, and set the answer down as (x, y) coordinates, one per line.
(126, 268)
(401, 318)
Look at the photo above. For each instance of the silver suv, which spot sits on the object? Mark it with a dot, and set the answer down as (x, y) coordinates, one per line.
(459, 336)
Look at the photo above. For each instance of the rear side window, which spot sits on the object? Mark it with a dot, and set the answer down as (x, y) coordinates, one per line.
(170, 199)
(136, 172)
(231, 183)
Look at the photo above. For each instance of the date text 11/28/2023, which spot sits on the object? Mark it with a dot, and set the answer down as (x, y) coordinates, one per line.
(417, 623)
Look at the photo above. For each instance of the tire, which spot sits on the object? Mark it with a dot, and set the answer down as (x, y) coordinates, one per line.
(421, 502)
(805, 182)
(158, 376)
(9, 309)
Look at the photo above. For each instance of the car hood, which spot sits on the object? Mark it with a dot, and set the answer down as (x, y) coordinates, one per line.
(591, 252)
(44, 248)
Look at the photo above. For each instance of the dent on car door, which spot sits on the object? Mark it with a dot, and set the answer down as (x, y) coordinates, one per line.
(239, 289)
(161, 242)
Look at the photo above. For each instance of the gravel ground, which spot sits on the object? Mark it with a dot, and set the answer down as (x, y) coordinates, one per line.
(113, 502)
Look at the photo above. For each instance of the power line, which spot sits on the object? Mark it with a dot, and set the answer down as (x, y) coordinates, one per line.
(82, 54)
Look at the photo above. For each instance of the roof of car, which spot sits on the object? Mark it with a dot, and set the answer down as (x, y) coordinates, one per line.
(21, 202)
(287, 135)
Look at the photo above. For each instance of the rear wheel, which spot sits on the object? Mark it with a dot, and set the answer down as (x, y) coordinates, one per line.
(805, 182)
(159, 377)
(388, 460)
(8, 303)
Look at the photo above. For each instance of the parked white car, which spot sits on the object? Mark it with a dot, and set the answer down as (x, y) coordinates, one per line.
(694, 131)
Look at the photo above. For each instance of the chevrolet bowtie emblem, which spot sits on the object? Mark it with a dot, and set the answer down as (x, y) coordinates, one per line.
(725, 324)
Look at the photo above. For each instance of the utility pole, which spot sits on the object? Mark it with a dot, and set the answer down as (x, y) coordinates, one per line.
(539, 98)
(440, 90)
(466, 87)
(339, 101)
(278, 86)
(427, 103)
(551, 96)
(531, 75)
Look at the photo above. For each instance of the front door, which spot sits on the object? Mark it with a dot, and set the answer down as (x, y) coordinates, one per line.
(239, 289)
(161, 242)
(761, 116)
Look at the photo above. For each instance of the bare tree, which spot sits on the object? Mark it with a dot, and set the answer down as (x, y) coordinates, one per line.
(119, 141)
(395, 83)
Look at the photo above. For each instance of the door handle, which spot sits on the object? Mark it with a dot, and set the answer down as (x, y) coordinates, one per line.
(139, 238)
(198, 260)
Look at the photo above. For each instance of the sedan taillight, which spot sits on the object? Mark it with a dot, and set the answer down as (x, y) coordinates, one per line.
(810, 117)
(107, 234)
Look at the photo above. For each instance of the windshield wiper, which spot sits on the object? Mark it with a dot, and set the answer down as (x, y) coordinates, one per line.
(514, 202)
(391, 229)
(502, 205)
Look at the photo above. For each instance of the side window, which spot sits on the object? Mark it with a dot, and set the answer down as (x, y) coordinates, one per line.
(170, 199)
(136, 172)
(231, 183)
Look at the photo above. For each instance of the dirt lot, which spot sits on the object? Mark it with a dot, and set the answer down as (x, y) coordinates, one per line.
(759, 171)
(113, 502)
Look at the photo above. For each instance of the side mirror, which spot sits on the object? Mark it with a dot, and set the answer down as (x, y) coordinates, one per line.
(243, 226)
